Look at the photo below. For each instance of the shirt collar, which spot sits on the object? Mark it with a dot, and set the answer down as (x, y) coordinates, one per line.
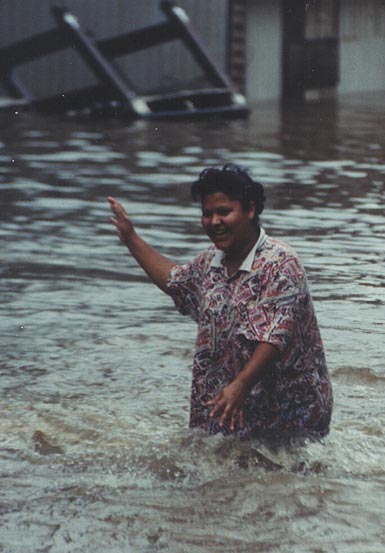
(247, 263)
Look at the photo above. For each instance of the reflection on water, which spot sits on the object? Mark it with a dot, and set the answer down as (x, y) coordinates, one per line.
(95, 452)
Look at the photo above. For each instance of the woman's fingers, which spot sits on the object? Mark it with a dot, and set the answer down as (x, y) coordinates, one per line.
(217, 402)
(121, 220)
(226, 410)
(234, 416)
(116, 207)
(112, 202)
(225, 413)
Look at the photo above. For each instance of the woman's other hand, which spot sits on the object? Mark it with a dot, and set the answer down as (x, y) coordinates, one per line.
(228, 403)
(122, 222)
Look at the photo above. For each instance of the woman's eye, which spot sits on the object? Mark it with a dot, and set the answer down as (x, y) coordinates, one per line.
(221, 212)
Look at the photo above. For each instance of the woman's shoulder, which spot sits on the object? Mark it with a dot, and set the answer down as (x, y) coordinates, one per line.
(193, 270)
(205, 256)
(280, 247)
(200, 262)
(277, 253)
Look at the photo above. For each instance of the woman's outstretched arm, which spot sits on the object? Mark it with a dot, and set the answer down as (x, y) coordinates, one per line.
(155, 265)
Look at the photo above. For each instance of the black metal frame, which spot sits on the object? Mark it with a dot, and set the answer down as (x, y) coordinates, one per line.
(113, 95)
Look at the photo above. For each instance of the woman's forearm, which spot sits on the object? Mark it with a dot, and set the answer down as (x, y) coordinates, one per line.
(263, 358)
(156, 265)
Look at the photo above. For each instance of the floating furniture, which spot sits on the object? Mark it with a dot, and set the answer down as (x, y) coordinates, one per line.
(113, 95)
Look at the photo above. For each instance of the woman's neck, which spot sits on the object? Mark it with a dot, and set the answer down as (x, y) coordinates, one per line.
(234, 258)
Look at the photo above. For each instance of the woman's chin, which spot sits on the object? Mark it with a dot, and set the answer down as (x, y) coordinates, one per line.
(221, 245)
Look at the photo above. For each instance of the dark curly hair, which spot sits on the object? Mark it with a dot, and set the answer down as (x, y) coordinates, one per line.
(233, 181)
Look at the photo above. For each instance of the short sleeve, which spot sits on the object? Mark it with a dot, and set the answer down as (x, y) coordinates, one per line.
(273, 313)
(185, 286)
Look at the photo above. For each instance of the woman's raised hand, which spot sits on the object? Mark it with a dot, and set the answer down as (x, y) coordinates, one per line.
(121, 221)
(156, 265)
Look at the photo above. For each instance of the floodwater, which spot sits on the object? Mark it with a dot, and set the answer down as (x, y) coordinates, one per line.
(95, 451)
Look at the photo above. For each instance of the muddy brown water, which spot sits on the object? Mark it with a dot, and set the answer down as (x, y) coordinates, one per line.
(95, 454)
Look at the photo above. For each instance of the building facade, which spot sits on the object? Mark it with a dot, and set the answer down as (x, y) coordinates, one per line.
(272, 49)
(298, 49)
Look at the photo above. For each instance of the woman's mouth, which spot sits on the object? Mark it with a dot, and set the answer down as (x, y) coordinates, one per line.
(217, 235)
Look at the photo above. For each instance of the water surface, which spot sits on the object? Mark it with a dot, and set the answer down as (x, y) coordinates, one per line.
(97, 362)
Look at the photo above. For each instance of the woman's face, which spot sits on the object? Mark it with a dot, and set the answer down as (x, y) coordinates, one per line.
(228, 225)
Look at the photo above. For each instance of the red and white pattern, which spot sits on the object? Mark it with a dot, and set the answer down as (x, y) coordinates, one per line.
(269, 303)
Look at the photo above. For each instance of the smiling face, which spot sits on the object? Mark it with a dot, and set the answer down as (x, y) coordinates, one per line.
(228, 224)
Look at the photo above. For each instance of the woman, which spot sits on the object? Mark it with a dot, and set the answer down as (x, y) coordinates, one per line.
(259, 365)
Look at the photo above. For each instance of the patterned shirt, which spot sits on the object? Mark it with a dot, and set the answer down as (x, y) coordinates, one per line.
(267, 300)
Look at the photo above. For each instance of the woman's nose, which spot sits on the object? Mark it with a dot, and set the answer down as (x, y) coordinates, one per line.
(215, 219)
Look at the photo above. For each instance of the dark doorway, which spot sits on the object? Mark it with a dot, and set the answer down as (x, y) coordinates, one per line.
(310, 47)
